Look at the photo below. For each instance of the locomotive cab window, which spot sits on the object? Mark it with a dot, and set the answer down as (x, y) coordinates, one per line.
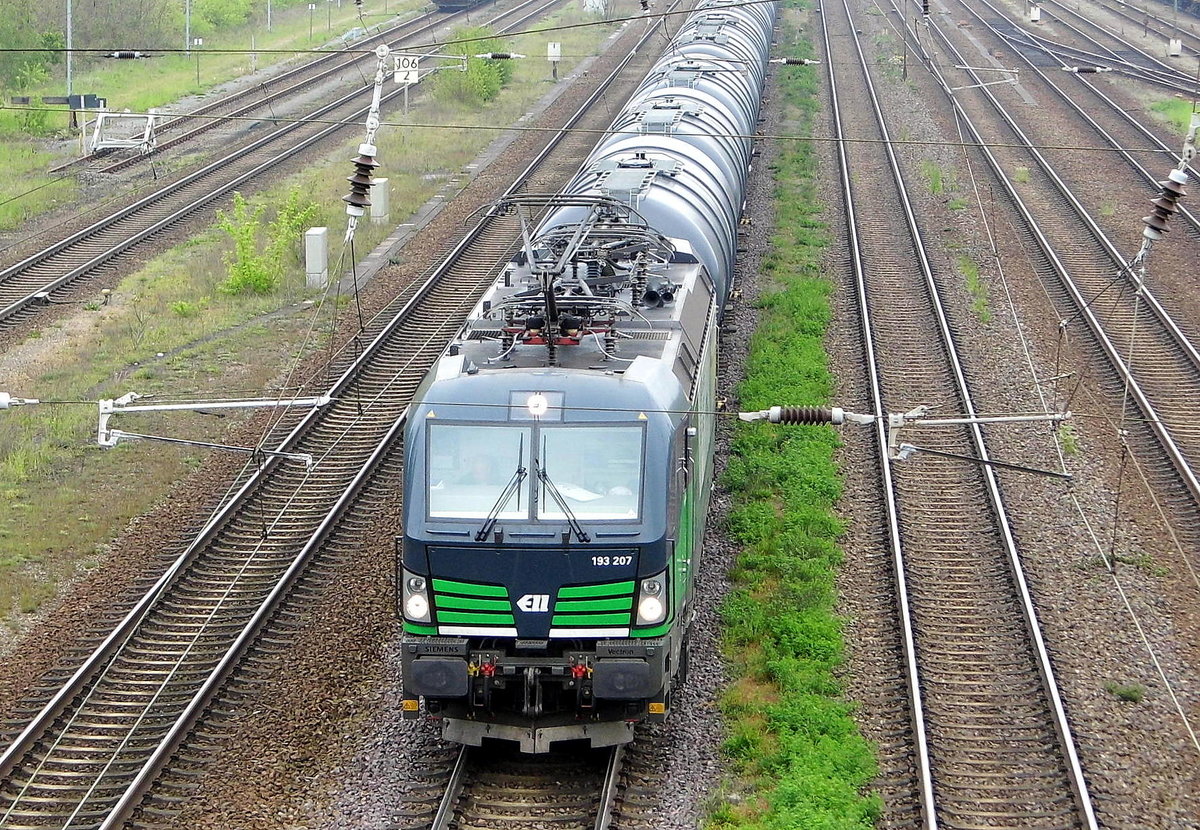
(471, 467)
(596, 469)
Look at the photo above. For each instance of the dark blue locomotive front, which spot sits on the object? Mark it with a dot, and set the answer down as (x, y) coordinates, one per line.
(547, 555)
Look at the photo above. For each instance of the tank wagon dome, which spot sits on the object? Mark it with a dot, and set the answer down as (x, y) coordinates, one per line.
(762, 14)
(696, 118)
(722, 38)
(726, 90)
(676, 190)
(746, 30)
(680, 148)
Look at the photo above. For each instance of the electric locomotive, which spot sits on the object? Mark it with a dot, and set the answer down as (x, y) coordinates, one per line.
(558, 455)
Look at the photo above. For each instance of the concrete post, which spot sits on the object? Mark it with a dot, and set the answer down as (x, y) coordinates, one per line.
(316, 257)
(380, 201)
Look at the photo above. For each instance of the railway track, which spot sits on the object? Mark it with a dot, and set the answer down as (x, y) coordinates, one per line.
(274, 92)
(45, 276)
(1156, 19)
(991, 742)
(1143, 21)
(571, 790)
(1141, 148)
(95, 749)
(1103, 47)
(1150, 353)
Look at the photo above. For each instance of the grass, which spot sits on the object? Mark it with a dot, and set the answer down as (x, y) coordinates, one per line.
(798, 758)
(25, 189)
(1068, 439)
(63, 499)
(1131, 693)
(1174, 111)
(138, 85)
(933, 177)
(975, 289)
(1144, 562)
(1021, 175)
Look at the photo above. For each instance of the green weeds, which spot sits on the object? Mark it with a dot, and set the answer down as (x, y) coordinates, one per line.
(933, 177)
(1068, 439)
(1131, 693)
(1144, 562)
(1176, 112)
(793, 742)
(975, 289)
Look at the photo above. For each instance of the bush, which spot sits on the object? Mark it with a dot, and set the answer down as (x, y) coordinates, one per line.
(33, 121)
(292, 219)
(482, 79)
(249, 271)
(222, 13)
(26, 70)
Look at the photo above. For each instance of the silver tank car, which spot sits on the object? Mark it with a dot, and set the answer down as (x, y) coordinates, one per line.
(691, 121)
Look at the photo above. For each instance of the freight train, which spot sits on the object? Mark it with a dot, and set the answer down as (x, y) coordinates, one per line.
(558, 457)
(457, 5)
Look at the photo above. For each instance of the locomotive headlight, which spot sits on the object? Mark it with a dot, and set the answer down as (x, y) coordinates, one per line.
(538, 404)
(652, 600)
(416, 607)
(415, 599)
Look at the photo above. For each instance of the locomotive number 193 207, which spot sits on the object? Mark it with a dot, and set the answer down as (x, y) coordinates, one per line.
(602, 561)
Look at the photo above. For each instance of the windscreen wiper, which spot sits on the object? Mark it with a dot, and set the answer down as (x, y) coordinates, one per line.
(561, 502)
(513, 486)
(502, 500)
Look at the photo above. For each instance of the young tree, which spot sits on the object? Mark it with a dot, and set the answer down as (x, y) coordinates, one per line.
(108, 24)
(20, 30)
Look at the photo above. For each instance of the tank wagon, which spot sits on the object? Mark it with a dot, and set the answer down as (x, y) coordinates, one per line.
(559, 453)
(456, 5)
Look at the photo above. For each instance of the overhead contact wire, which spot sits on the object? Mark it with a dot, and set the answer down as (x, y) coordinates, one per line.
(1047, 408)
